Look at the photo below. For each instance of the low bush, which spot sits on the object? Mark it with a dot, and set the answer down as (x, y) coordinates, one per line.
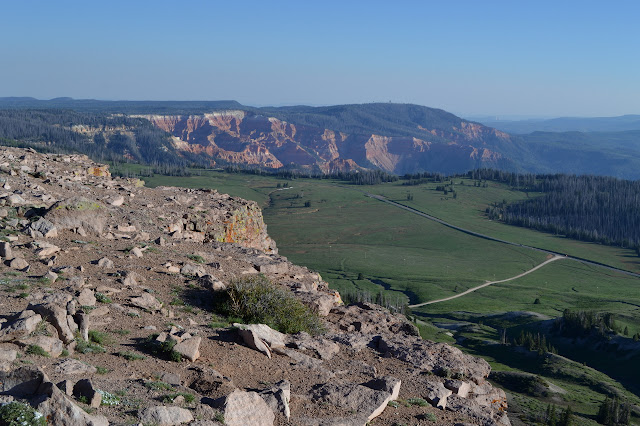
(36, 350)
(256, 300)
(19, 414)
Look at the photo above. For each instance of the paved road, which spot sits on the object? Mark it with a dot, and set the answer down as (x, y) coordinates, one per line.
(487, 237)
(471, 290)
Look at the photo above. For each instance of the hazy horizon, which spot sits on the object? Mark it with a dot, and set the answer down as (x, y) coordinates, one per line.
(501, 58)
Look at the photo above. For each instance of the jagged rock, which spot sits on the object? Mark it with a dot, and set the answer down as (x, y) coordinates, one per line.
(436, 393)
(5, 250)
(72, 367)
(84, 388)
(193, 270)
(43, 228)
(367, 403)
(387, 384)
(246, 408)
(105, 262)
(136, 252)
(19, 264)
(86, 298)
(131, 279)
(147, 302)
(66, 386)
(8, 355)
(210, 282)
(52, 345)
(77, 212)
(320, 302)
(269, 267)
(47, 250)
(435, 357)
(488, 396)
(472, 409)
(51, 276)
(61, 411)
(189, 348)
(82, 319)
(76, 283)
(171, 378)
(22, 382)
(15, 200)
(118, 201)
(56, 315)
(355, 341)
(126, 228)
(165, 416)
(458, 387)
(325, 349)
(261, 337)
(278, 396)
(367, 318)
(20, 328)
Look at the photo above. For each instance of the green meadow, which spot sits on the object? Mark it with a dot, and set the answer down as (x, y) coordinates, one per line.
(362, 245)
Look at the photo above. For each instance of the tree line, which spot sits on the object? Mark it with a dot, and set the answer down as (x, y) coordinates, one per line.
(589, 208)
(101, 136)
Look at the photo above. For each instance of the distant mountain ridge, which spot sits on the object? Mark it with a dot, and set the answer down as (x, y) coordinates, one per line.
(397, 138)
(568, 124)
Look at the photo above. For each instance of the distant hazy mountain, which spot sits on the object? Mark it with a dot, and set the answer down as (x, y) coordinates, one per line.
(567, 124)
(397, 138)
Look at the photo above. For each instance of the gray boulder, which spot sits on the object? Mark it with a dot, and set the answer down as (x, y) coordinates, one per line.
(278, 396)
(165, 416)
(366, 403)
(246, 408)
(20, 328)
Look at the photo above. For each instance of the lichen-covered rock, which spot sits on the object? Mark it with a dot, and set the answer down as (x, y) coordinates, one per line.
(77, 212)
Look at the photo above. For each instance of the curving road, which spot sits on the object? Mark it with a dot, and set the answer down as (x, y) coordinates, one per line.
(488, 283)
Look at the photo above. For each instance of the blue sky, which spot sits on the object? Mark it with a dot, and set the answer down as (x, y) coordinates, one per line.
(538, 58)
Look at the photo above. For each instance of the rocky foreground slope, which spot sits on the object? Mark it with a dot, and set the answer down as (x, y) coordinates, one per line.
(97, 272)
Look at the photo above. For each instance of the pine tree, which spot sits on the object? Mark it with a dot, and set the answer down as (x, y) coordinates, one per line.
(551, 417)
(566, 418)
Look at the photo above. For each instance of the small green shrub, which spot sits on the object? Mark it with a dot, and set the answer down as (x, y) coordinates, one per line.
(158, 386)
(428, 416)
(36, 350)
(108, 398)
(102, 298)
(130, 356)
(177, 302)
(256, 300)
(162, 348)
(188, 398)
(122, 332)
(19, 414)
(196, 258)
(85, 347)
(102, 370)
(417, 401)
(99, 337)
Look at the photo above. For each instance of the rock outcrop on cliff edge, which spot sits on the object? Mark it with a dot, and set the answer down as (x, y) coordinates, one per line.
(108, 295)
